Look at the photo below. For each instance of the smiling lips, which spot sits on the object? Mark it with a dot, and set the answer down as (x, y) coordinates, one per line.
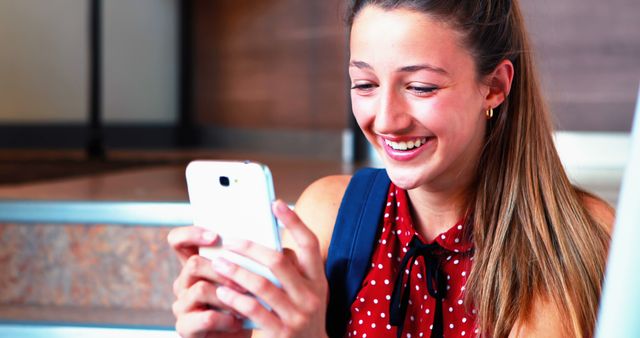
(408, 145)
(405, 150)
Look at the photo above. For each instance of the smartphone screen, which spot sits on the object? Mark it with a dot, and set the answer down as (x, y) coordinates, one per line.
(234, 200)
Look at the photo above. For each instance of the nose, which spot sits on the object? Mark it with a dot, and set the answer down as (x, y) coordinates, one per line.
(393, 116)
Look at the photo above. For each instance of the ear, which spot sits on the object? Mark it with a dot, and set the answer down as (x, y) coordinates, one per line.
(499, 82)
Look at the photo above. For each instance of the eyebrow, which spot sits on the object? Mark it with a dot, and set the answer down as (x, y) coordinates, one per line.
(405, 69)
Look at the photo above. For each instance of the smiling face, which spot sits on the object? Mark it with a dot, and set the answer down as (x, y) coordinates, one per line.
(416, 97)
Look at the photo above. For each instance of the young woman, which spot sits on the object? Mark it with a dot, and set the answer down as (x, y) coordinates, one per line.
(479, 231)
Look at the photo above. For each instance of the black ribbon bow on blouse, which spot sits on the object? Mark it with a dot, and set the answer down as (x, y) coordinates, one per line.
(435, 280)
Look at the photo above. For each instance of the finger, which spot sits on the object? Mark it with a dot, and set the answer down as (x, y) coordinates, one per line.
(199, 268)
(186, 240)
(196, 268)
(291, 256)
(284, 268)
(309, 255)
(259, 286)
(249, 307)
(201, 295)
(198, 322)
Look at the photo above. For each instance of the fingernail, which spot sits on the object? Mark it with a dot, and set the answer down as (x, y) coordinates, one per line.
(281, 206)
(208, 236)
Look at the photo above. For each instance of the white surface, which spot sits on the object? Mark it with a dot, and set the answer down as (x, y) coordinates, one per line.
(595, 161)
(593, 149)
(619, 306)
(54, 331)
(241, 210)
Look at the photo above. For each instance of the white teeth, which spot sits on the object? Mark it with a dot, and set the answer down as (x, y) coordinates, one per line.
(407, 145)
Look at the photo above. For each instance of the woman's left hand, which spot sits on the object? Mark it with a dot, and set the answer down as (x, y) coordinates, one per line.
(298, 309)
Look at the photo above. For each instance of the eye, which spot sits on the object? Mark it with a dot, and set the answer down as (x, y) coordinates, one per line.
(422, 90)
(363, 87)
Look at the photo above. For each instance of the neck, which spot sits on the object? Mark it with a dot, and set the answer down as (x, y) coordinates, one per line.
(435, 211)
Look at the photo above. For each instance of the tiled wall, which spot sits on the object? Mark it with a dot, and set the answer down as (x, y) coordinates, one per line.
(93, 266)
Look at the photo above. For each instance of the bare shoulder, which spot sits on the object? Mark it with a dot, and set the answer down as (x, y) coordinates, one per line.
(600, 210)
(318, 206)
(544, 320)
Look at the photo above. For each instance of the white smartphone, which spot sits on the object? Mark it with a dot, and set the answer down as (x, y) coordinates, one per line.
(233, 199)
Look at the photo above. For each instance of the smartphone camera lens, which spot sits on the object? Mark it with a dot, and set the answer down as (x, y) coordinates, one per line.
(224, 181)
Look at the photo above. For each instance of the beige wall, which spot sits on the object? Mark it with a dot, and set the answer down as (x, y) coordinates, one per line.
(43, 61)
(140, 53)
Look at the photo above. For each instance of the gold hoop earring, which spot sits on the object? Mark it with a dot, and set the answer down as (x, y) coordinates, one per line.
(489, 113)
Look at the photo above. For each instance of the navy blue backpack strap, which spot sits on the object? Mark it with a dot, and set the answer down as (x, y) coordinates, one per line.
(352, 243)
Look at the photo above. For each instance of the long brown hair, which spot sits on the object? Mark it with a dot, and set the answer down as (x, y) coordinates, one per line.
(534, 238)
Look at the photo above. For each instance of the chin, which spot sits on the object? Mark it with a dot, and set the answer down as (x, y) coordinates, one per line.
(406, 178)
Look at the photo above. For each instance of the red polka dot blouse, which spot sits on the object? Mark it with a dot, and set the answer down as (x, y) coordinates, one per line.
(449, 258)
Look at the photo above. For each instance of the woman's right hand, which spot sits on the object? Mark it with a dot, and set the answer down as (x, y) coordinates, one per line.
(199, 313)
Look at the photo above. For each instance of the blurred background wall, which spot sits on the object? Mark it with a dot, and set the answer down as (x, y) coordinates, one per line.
(264, 74)
(589, 56)
(43, 61)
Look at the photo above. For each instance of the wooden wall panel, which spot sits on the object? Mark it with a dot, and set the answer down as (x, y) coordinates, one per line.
(280, 64)
(271, 64)
(589, 56)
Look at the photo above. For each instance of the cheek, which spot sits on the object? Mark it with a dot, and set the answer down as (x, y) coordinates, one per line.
(459, 108)
(437, 116)
(363, 112)
(452, 120)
